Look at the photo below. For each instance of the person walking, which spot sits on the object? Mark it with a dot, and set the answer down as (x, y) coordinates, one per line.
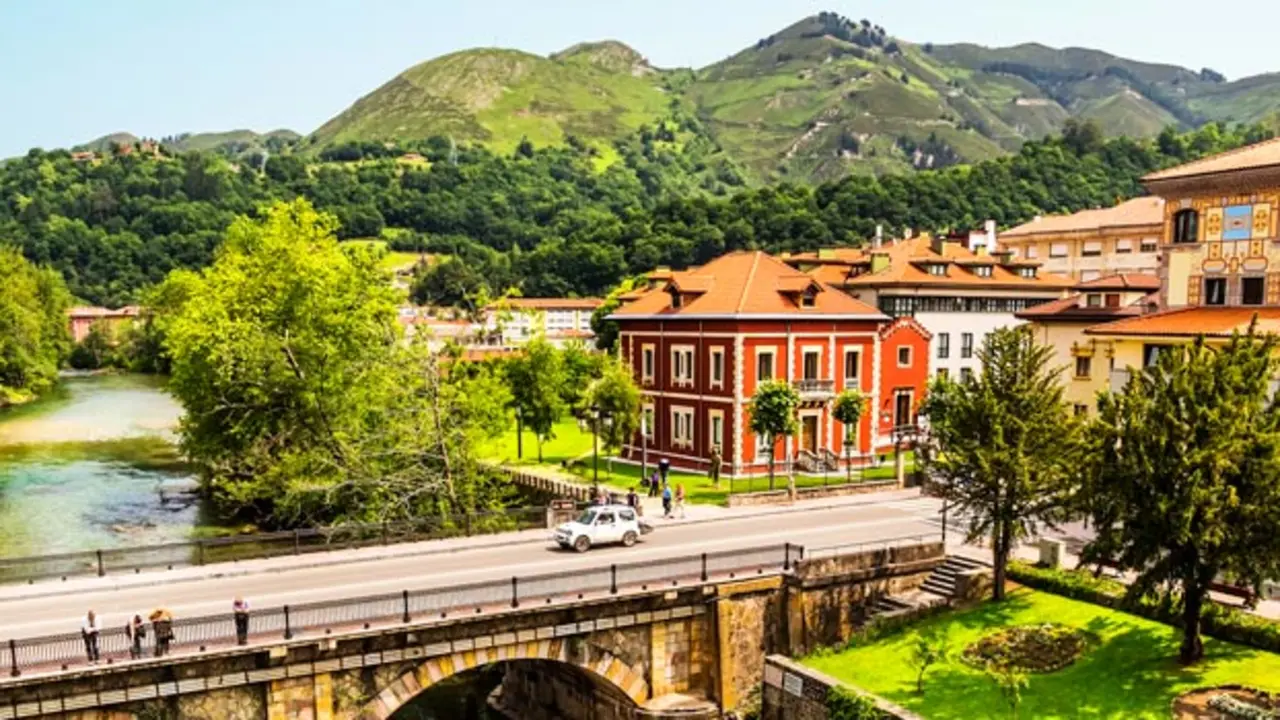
(240, 608)
(136, 631)
(633, 500)
(89, 629)
(664, 468)
(716, 461)
(680, 499)
(654, 488)
(666, 501)
(162, 624)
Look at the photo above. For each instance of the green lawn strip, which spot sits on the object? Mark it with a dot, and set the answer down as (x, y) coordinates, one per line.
(1132, 673)
(568, 443)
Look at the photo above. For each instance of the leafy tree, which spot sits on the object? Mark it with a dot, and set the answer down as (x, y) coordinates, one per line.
(1003, 447)
(536, 378)
(1010, 682)
(34, 338)
(848, 409)
(773, 415)
(1187, 479)
(618, 399)
(97, 349)
(928, 647)
(581, 368)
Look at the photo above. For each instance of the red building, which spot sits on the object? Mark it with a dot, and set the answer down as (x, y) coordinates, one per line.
(701, 340)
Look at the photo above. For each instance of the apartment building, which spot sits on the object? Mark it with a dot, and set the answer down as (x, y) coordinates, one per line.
(1091, 244)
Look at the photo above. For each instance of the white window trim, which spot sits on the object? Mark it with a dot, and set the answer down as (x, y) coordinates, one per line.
(762, 449)
(857, 366)
(686, 380)
(772, 352)
(910, 356)
(805, 353)
(648, 375)
(650, 432)
(712, 416)
(679, 439)
(717, 361)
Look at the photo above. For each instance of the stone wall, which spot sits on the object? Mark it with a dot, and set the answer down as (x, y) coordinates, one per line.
(794, 692)
(784, 496)
(748, 619)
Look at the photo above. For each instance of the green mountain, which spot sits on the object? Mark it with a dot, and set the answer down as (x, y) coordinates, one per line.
(231, 143)
(596, 91)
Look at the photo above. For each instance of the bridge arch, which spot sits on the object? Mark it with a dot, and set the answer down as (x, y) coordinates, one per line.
(597, 662)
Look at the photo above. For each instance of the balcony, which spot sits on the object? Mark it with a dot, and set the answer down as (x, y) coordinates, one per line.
(810, 389)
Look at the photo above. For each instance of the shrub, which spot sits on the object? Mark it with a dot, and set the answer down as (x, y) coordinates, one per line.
(1034, 648)
(845, 704)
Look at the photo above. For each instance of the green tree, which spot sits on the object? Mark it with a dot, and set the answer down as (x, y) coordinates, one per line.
(1003, 447)
(536, 378)
(928, 647)
(773, 415)
(97, 350)
(615, 394)
(1010, 682)
(1187, 479)
(848, 409)
(34, 338)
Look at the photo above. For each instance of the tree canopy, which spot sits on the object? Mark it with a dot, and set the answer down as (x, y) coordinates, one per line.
(773, 415)
(34, 339)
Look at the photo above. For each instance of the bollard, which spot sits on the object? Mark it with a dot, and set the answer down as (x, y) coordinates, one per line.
(515, 596)
(288, 631)
(786, 557)
(613, 579)
(704, 567)
(406, 605)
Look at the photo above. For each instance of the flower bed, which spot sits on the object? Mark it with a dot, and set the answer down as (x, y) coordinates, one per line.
(1227, 702)
(1033, 648)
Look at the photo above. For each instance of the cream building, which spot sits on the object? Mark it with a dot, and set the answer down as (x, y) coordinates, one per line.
(1090, 244)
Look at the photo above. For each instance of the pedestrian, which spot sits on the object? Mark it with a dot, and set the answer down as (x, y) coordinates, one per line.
(716, 461)
(664, 467)
(89, 629)
(162, 624)
(633, 500)
(680, 499)
(666, 501)
(136, 631)
(654, 487)
(240, 608)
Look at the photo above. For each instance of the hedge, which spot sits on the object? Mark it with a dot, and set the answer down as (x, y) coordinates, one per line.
(1217, 620)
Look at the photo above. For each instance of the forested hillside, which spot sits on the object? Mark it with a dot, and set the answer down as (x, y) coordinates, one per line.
(543, 221)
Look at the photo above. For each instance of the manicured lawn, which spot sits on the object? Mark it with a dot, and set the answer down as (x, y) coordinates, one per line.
(1132, 673)
(569, 443)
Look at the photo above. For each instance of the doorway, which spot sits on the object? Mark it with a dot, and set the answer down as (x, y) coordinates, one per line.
(902, 409)
(809, 433)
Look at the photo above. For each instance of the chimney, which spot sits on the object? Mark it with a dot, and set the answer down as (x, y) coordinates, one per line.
(906, 233)
(879, 261)
(990, 227)
(879, 236)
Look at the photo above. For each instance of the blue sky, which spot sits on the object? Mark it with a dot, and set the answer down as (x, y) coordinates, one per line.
(72, 70)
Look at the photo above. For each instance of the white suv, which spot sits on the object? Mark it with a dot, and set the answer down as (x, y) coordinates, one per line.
(601, 524)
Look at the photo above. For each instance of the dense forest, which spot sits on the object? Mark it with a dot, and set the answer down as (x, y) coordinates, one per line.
(556, 221)
(34, 339)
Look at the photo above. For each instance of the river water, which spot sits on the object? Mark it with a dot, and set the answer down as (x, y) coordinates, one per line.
(93, 465)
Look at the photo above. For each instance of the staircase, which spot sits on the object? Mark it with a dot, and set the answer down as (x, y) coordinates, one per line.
(942, 581)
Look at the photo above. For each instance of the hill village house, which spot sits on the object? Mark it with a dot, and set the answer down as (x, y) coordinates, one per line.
(701, 341)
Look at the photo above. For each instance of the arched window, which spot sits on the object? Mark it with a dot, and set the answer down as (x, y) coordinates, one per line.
(1186, 226)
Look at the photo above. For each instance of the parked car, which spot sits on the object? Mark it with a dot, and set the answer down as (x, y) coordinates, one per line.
(601, 525)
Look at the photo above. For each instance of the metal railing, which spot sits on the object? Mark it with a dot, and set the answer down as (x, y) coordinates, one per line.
(883, 543)
(812, 386)
(326, 619)
(263, 545)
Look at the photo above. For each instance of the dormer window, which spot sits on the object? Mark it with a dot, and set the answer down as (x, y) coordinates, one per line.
(809, 298)
(982, 271)
(676, 300)
(1093, 300)
(1027, 272)
(936, 269)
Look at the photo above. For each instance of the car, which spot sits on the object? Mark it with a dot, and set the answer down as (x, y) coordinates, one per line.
(602, 525)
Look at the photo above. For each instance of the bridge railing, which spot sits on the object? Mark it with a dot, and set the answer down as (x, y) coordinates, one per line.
(335, 617)
(263, 545)
(880, 544)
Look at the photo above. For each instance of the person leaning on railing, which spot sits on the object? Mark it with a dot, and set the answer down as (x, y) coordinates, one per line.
(240, 608)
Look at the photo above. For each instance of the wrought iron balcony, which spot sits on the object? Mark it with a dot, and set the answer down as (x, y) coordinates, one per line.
(815, 389)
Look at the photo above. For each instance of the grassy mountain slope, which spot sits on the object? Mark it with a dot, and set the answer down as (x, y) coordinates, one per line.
(230, 142)
(105, 143)
(596, 92)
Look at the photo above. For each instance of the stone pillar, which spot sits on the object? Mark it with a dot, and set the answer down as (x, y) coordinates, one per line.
(659, 682)
(301, 698)
(899, 466)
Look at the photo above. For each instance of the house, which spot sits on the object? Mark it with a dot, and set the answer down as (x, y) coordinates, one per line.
(1219, 260)
(700, 341)
(1085, 362)
(953, 286)
(513, 321)
(81, 319)
(1093, 243)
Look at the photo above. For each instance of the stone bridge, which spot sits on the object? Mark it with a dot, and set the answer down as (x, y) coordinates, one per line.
(696, 650)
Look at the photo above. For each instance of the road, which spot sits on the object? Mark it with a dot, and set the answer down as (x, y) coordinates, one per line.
(813, 527)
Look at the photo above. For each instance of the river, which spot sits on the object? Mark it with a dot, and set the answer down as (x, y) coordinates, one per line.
(93, 465)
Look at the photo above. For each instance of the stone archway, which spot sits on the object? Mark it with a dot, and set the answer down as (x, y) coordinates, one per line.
(597, 662)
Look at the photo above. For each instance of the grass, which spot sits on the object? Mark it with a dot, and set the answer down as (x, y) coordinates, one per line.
(1132, 673)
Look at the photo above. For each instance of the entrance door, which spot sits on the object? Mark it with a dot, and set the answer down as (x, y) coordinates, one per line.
(809, 433)
(902, 409)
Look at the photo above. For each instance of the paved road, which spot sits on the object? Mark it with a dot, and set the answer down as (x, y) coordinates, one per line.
(813, 527)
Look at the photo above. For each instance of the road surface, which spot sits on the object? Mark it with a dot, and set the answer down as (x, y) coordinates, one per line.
(482, 559)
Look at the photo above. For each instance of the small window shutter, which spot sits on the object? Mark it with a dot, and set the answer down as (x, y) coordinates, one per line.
(1194, 284)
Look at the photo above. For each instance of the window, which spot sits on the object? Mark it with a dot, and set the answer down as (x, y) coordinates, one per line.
(1057, 250)
(1033, 251)
(682, 427)
(716, 423)
(936, 269)
(681, 365)
(906, 306)
(982, 271)
(1186, 226)
(1093, 300)
(646, 364)
(944, 345)
(1113, 300)
(852, 367)
(1148, 245)
(902, 415)
(1151, 353)
(1080, 410)
(904, 357)
(1027, 272)
(1124, 247)
(966, 345)
(717, 367)
(762, 447)
(811, 360)
(764, 366)
(943, 372)
(966, 375)
(1253, 290)
(1084, 368)
(1092, 248)
(1215, 291)
(809, 299)
(646, 422)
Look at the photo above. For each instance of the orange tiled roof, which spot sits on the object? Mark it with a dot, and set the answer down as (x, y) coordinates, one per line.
(1131, 213)
(745, 283)
(1069, 309)
(548, 303)
(1123, 281)
(1260, 155)
(1193, 321)
(906, 258)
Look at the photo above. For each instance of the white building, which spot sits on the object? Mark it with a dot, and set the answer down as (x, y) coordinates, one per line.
(513, 321)
(954, 287)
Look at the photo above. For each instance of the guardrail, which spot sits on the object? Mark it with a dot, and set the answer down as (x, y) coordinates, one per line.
(848, 548)
(263, 545)
(321, 619)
